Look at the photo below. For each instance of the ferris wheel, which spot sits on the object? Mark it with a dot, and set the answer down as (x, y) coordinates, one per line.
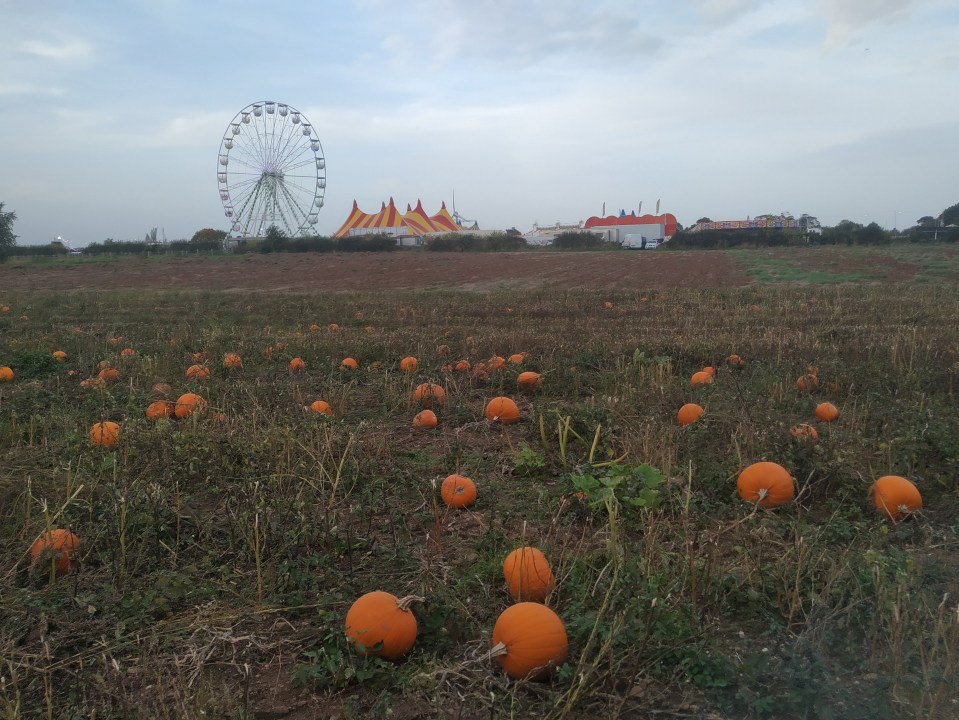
(271, 171)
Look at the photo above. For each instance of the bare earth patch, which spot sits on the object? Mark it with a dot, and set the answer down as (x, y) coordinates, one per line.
(402, 270)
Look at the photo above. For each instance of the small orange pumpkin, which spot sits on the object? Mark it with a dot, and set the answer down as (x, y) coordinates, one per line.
(408, 364)
(425, 419)
(198, 372)
(160, 409)
(108, 374)
(127, 352)
(334, 327)
(380, 624)
(529, 640)
(57, 546)
(734, 360)
(495, 363)
(896, 496)
(59, 356)
(105, 434)
(699, 379)
(608, 304)
(232, 360)
(767, 484)
(807, 382)
(349, 363)
(321, 407)
(688, 414)
(528, 575)
(187, 404)
(806, 432)
(517, 358)
(297, 364)
(462, 366)
(6, 374)
(428, 393)
(502, 409)
(827, 412)
(458, 491)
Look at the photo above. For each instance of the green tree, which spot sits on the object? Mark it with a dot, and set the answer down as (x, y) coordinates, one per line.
(7, 238)
(950, 216)
(208, 235)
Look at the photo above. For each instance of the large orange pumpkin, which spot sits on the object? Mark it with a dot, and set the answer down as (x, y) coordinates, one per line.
(767, 484)
(528, 575)
(105, 434)
(458, 491)
(896, 496)
(529, 379)
(160, 409)
(380, 624)
(529, 640)
(425, 419)
(57, 546)
(198, 372)
(827, 412)
(321, 407)
(429, 393)
(688, 414)
(699, 379)
(502, 409)
(187, 404)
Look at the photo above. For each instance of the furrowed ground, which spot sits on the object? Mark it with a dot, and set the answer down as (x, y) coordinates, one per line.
(220, 553)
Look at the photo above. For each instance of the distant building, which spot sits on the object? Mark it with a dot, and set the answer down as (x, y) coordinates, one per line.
(408, 228)
(632, 230)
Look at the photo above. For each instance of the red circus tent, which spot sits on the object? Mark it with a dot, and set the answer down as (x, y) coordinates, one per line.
(414, 222)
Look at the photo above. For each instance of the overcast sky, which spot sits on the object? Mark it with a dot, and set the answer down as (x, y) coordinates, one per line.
(535, 111)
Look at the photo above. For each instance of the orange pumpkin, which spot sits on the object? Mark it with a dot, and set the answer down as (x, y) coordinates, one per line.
(6, 374)
(608, 304)
(59, 356)
(314, 328)
(699, 379)
(380, 624)
(896, 496)
(425, 419)
(529, 379)
(198, 372)
(462, 366)
(517, 358)
(688, 414)
(127, 352)
(529, 640)
(734, 360)
(408, 364)
(105, 434)
(807, 382)
(187, 404)
(57, 546)
(232, 360)
(766, 484)
(322, 407)
(827, 412)
(349, 363)
(495, 363)
(428, 393)
(502, 409)
(297, 364)
(160, 409)
(709, 370)
(108, 374)
(458, 491)
(806, 432)
(334, 327)
(528, 575)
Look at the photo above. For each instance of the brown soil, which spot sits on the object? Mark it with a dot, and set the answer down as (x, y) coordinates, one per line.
(411, 269)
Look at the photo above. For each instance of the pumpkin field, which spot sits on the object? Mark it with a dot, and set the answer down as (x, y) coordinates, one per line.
(566, 502)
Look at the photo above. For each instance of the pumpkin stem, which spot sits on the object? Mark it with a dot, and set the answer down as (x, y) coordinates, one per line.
(763, 493)
(497, 650)
(404, 603)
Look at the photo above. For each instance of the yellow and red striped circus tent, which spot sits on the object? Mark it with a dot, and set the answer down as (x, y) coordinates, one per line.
(389, 220)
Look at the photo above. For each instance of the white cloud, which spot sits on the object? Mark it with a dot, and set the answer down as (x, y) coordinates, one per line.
(62, 50)
(30, 89)
(847, 17)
